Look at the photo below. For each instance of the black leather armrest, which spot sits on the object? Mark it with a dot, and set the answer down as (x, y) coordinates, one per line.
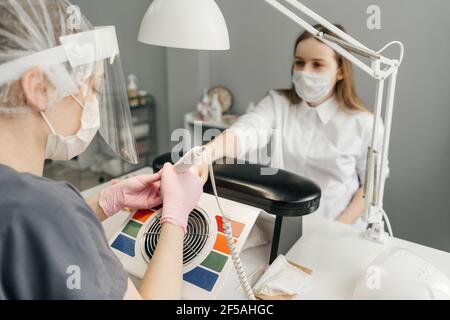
(282, 194)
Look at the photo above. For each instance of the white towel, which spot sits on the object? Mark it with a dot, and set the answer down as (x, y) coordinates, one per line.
(282, 279)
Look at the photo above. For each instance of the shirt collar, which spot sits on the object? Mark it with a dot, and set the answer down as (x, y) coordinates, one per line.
(325, 111)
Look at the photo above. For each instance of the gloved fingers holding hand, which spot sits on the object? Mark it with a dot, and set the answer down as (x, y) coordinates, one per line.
(142, 192)
(181, 193)
(203, 172)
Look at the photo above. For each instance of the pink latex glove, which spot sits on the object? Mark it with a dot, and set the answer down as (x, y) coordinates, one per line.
(181, 193)
(140, 192)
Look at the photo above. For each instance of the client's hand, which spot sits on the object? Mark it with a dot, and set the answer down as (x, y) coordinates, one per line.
(140, 192)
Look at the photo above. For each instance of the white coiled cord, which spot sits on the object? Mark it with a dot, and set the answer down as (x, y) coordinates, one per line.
(229, 235)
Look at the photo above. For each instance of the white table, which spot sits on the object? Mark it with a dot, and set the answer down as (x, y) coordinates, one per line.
(340, 256)
(337, 254)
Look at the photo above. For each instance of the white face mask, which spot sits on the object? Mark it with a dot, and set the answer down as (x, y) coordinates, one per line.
(61, 148)
(312, 87)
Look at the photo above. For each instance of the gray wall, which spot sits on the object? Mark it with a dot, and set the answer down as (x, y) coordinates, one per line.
(260, 59)
(149, 63)
(188, 74)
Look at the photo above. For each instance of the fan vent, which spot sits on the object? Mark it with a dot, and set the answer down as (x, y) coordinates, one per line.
(197, 236)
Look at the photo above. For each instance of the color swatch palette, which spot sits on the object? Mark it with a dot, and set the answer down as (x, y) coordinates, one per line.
(126, 240)
(206, 275)
(208, 271)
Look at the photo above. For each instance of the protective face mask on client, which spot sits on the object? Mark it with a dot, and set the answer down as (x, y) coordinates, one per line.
(61, 148)
(311, 87)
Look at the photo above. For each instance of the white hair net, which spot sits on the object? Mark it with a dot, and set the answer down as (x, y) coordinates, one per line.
(31, 26)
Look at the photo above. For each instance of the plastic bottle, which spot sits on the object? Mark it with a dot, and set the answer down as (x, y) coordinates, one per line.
(203, 106)
(251, 107)
(143, 97)
(216, 109)
(133, 91)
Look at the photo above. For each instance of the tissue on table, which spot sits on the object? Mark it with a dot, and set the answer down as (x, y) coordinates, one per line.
(282, 280)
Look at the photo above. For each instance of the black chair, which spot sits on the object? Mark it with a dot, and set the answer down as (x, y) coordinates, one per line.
(286, 195)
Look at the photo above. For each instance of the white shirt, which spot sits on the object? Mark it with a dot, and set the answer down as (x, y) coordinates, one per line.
(324, 144)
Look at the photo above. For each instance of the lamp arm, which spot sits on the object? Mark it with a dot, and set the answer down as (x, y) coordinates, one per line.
(387, 134)
(345, 41)
(343, 35)
(378, 152)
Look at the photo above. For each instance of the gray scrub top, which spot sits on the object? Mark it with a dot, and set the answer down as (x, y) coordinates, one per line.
(52, 245)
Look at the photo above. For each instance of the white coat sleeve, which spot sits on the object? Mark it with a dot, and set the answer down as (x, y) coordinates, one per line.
(254, 130)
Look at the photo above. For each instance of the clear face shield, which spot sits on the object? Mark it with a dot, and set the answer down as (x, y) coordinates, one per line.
(87, 63)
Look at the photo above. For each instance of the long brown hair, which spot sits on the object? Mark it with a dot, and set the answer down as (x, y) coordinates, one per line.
(345, 89)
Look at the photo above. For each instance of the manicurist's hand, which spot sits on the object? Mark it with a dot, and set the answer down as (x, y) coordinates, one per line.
(180, 193)
(203, 171)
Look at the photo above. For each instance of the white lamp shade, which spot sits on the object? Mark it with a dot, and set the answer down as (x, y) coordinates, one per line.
(187, 24)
